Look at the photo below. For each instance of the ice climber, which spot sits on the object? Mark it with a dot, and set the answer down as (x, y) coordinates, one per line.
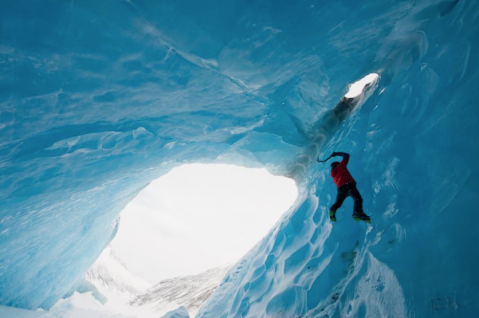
(346, 187)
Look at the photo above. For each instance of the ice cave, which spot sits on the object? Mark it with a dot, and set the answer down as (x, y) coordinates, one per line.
(100, 98)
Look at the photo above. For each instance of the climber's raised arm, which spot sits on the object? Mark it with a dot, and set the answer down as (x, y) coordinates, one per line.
(344, 155)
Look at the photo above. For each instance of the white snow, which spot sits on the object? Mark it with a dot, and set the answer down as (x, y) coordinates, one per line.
(176, 297)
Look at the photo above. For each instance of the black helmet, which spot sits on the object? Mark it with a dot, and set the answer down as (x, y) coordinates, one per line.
(334, 164)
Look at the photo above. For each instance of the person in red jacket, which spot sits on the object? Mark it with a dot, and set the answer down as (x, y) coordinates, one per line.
(346, 187)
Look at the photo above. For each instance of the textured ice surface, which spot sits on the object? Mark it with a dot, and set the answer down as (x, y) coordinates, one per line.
(178, 313)
(97, 99)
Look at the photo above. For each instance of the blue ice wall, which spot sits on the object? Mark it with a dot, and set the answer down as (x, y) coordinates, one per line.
(97, 99)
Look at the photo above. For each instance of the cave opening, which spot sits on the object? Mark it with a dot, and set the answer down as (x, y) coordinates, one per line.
(198, 217)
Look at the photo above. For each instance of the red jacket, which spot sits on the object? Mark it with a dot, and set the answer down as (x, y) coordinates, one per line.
(340, 174)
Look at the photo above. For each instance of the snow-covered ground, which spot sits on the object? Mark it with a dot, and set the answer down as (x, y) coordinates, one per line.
(188, 291)
(76, 306)
(116, 292)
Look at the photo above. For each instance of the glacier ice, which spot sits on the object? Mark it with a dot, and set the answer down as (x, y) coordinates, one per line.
(97, 99)
(178, 313)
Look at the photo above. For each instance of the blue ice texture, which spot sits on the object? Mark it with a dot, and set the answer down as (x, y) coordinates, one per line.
(99, 98)
(180, 312)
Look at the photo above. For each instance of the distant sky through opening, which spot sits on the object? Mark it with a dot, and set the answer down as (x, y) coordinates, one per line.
(198, 217)
(357, 87)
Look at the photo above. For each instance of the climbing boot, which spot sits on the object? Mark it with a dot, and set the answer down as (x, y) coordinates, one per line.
(361, 217)
(332, 216)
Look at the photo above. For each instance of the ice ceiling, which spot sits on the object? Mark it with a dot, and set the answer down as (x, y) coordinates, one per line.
(97, 99)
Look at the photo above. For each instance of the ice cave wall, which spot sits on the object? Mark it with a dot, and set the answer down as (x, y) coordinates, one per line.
(97, 99)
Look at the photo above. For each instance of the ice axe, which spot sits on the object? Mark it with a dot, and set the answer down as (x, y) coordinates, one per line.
(325, 159)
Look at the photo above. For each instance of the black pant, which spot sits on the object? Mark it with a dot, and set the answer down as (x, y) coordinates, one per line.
(344, 191)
